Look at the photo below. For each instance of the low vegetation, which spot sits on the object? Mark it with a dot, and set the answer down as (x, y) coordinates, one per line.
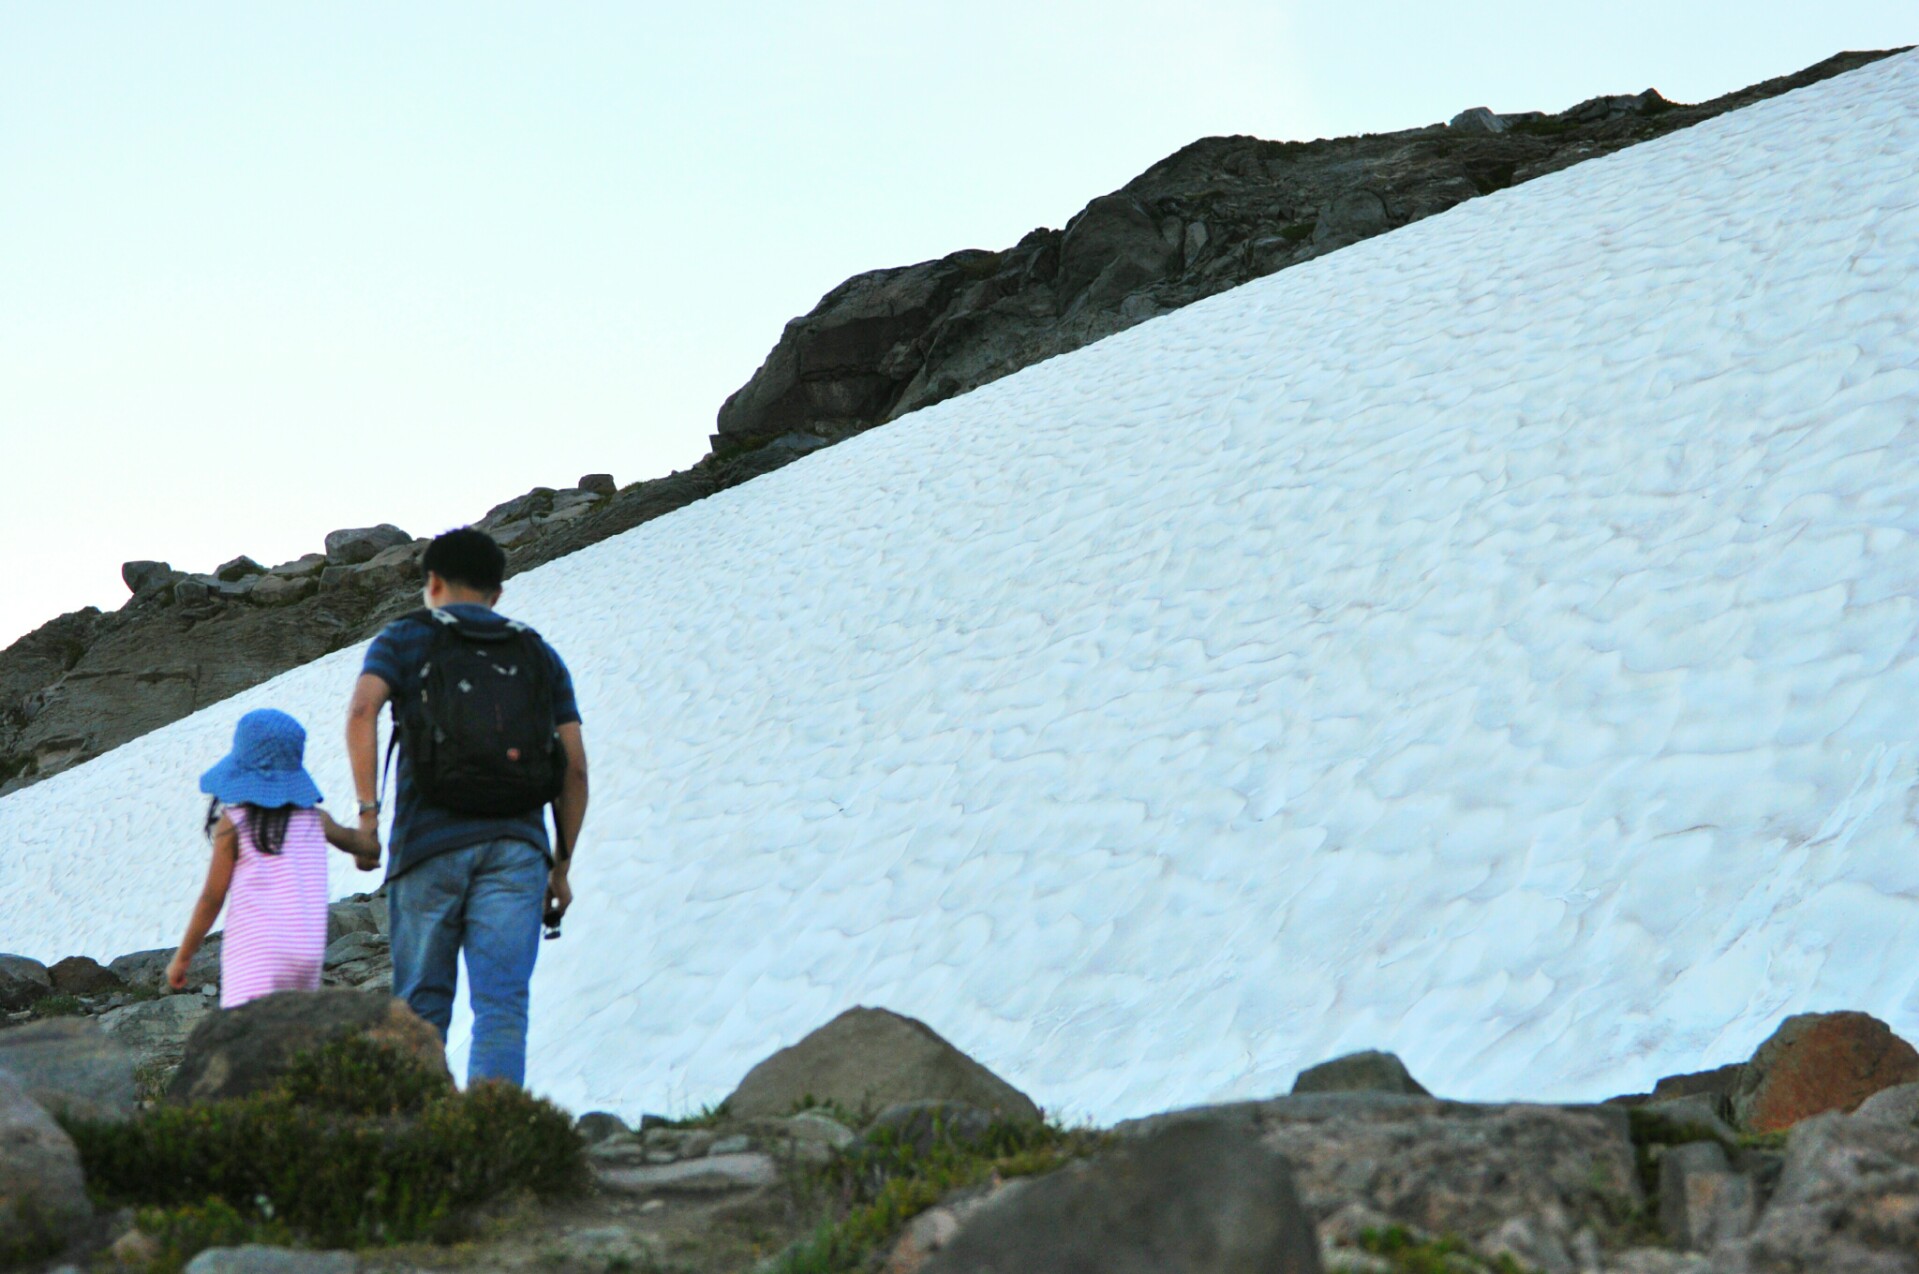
(358, 1146)
(869, 1194)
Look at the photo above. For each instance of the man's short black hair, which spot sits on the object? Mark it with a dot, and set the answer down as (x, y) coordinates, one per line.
(467, 557)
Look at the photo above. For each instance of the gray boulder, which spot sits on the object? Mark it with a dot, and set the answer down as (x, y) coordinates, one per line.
(305, 566)
(1702, 1201)
(147, 970)
(1519, 1180)
(238, 569)
(1192, 1199)
(156, 1031)
(1898, 1105)
(598, 1125)
(599, 484)
(192, 592)
(279, 590)
(248, 1049)
(1846, 1203)
(82, 975)
(71, 1065)
(255, 1258)
(145, 577)
(42, 1189)
(1367, 1072)
(871, 1059)
(22, 982)
(1476, 120)
(361, 544)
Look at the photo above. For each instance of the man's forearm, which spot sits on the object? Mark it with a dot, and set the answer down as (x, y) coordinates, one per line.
(363, 750)
(569, 813)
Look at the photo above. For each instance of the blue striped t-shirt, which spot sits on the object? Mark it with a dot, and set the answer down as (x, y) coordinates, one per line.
(420, 829)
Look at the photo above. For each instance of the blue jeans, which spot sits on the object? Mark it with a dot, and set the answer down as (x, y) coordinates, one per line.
(485, 900)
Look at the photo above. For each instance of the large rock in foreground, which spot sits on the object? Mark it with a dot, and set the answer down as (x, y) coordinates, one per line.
(1196, 1198)
(248, 1049)
(869, 1059)
(1847, 1203)
(1817, 1062)
(1536, 1183)
(43, 1194)
(70, 1065)
(22, 982)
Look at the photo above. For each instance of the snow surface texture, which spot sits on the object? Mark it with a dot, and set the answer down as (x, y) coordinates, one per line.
(1492, 642)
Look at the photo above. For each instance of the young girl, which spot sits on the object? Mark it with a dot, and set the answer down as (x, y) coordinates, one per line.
(269, 852)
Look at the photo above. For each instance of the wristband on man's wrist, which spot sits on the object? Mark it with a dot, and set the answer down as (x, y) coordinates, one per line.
(369, 807)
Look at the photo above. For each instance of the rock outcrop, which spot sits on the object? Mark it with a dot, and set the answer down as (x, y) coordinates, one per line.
(1218, 213)
(869, 1059)
(248, 1049)
(1816, 1062)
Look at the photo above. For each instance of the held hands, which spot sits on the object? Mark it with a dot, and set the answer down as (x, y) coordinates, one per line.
(366, 852)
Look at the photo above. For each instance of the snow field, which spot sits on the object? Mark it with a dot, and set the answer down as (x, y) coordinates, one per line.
(1492, 642)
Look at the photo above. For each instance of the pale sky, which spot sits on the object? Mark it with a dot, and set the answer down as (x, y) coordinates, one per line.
(268, 270)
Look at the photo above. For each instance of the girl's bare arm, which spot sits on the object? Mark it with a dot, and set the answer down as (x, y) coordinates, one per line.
(364, 847)
(213, 896)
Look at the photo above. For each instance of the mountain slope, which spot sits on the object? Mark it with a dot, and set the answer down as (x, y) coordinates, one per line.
(1492, 642)
(1216, 214)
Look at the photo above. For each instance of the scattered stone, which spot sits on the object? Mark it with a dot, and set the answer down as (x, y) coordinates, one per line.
(1197, 1198)
(1368, 1072)
(1898, 1104)
(1816, 1062)
(136, 1249)
(354, 946)
(247, 1049)
(147, 970)
(736, 1144)
(714, 1174)
(255, 1258)
(71, 1065)
(599, 484)
(872, 1058)
(279, 590)
(925, 1124)
(238, 569)
(42, 1188)
(361, 544)
(1701, 1199)
(23, 982)
(1720, 1081)
(362, 913)
(1476, 120)
(80, 975)
(597, 1125)
(1657, 1260)
(306, 566)
(192, 592)
(143, 577)
(157, 1030)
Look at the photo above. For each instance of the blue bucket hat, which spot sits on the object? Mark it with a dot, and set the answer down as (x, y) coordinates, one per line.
(264, 768)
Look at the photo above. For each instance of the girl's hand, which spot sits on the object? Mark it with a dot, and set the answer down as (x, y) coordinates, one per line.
(177, 972)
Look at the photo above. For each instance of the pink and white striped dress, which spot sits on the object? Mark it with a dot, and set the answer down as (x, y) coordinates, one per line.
(276, 913)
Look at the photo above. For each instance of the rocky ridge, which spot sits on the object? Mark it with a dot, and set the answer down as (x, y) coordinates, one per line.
(1216, 214)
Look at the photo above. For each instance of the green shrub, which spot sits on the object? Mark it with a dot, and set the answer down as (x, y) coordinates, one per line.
(356, 1076)
(57, 1006)
(872, 1191)
(403, 1159)
(184, 1232)
(1442, 1255)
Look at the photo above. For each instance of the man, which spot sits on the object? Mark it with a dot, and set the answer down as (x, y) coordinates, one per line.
(471, 868)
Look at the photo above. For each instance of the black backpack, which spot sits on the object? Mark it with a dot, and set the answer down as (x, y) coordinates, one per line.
(480, 736)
